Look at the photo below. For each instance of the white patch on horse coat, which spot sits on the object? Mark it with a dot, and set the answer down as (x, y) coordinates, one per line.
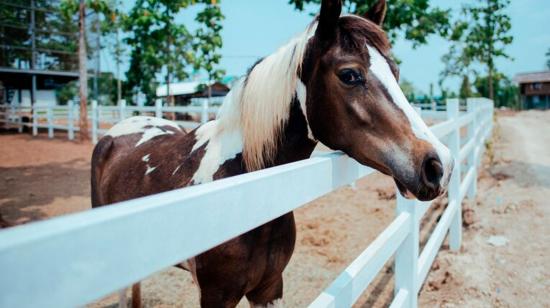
(301, 94)
(278, 303)
(146, 159)
(150, 169)
(380, 68)
(176, 170)
(148, 126)
(204, 133)
(150, 133)
(222, 146)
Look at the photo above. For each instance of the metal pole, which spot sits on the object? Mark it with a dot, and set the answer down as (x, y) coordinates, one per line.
(117, 54)
(98, 57)
(33, 53)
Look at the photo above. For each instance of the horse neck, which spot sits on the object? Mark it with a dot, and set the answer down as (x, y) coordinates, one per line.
(295, 144)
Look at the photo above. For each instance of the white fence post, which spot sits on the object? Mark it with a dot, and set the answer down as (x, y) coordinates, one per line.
(11, 116)
(122, 109)
(7, 116)
(475, 135)
(455, 230)
(70, 120)
(20, 120)
(34, 121)
(49, 113)
(204, 115)
(95, 121)
(406, 257)
(158, 108)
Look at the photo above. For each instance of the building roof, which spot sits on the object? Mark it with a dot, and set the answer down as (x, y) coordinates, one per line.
(543, 76)
(178, 88)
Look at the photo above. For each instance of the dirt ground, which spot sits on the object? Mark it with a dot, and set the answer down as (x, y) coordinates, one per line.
(41, 178)
(512, 203)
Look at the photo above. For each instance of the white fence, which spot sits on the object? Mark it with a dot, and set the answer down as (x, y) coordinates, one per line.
(65, 118)
(72, 260)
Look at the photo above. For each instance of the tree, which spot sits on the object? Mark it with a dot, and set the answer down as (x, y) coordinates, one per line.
(159, 45)
(506, 93)
(83, 73)
(457, 62)
(408, 89)
(415, 19)
(465, 88)
(483, 36)
(69, 8)
(207, 41)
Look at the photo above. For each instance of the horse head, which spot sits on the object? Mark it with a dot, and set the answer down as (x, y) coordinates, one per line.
(354, 102)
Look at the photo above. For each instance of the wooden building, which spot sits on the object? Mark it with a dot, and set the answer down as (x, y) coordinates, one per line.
(534, 89)
(183, 92)
(38, 51)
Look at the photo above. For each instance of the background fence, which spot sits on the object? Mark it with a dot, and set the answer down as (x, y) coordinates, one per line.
(101, 118)
(75, 259)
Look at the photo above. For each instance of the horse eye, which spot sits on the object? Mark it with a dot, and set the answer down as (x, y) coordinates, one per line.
(351, 77)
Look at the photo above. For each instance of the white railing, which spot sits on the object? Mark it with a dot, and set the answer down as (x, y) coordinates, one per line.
(75, 259)
(65, 118)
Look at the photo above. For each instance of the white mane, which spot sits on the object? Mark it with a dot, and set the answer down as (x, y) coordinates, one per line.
(259, 104)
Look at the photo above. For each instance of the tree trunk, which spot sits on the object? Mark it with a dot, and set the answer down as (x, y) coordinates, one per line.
(490, 24)
(491, 92)
(118, 83)
(83, 76)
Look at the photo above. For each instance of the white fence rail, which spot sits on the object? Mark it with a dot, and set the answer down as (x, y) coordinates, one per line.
(72, 260)
(65, 118)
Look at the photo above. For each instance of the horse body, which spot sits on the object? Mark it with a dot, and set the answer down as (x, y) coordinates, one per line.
(126, 166)
(334, 83)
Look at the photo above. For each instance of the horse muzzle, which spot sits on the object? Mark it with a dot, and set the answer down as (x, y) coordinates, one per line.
(429, 181)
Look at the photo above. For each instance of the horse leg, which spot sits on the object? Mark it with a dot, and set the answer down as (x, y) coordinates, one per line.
(136, 295)
(220, 286)
(268, 293)
(219, 296)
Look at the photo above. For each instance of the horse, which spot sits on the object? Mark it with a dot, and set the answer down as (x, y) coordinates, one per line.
(334, 83)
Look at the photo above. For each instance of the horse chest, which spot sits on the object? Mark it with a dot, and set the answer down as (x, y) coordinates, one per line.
(254, 256)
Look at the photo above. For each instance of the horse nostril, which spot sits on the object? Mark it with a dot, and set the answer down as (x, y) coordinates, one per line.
(432, 172)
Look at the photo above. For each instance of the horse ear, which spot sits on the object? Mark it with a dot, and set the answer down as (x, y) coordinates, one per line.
(328, 19)
(377, 12)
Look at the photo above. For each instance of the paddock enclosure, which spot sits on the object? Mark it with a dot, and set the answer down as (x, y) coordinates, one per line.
(71, 250)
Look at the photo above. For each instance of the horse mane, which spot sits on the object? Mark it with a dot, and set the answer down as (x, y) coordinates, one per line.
(259, 104)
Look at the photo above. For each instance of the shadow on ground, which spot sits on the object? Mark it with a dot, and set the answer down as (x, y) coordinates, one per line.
(29, 193)
(524, 174)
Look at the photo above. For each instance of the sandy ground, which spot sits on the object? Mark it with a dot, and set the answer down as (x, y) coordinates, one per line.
(41, 178)
(512, 202)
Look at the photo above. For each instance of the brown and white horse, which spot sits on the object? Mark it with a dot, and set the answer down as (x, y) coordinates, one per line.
(335, 83)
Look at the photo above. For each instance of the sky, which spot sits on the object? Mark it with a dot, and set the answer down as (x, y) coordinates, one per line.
(253, 29)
